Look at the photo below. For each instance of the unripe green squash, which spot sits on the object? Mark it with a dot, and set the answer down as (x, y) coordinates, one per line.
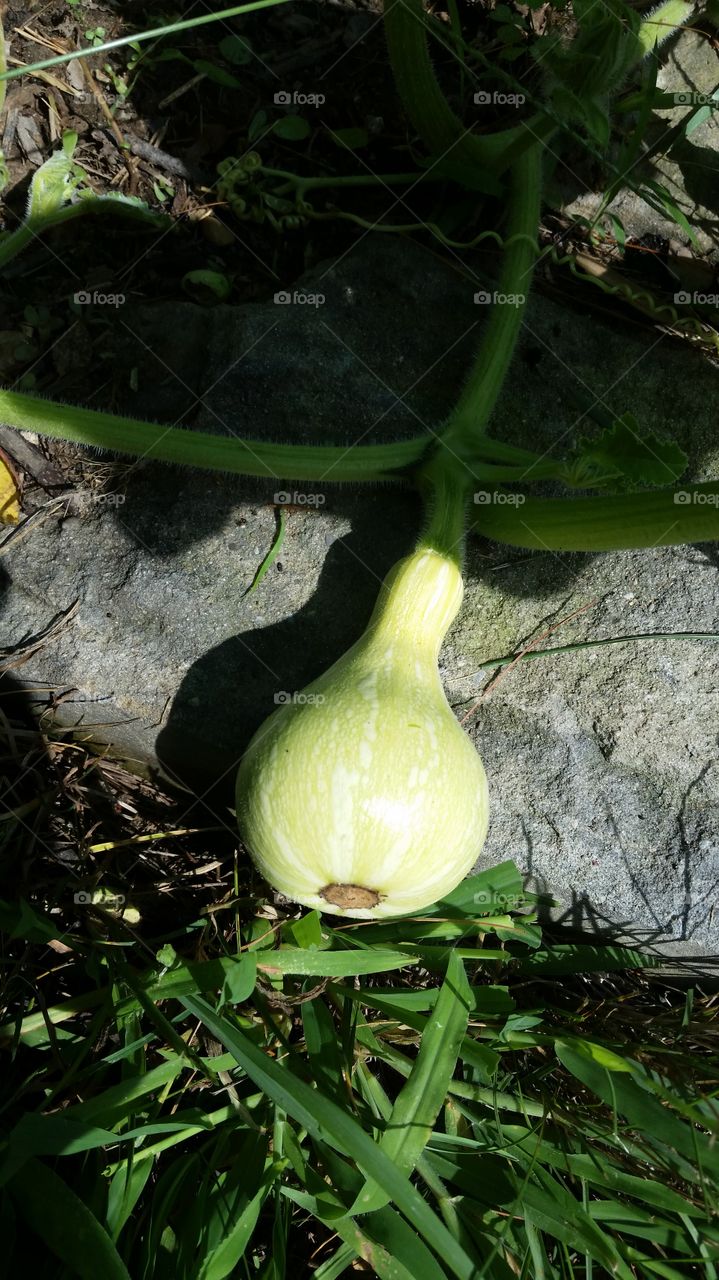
(364, 797)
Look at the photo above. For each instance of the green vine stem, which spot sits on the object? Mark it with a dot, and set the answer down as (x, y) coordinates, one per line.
(470, 416)
(617, 522)
(431, 115)
(447, 477)
(207, 451)
(442, 131)
(659, 25)
(445, 492)
(14, 242)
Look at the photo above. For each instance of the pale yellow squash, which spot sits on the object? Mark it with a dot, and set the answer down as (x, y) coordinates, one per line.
(364, 797)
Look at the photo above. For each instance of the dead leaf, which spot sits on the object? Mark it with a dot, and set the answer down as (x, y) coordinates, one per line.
(9, 490)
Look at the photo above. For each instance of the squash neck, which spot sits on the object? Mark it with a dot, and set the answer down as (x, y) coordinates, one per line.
(418, 602)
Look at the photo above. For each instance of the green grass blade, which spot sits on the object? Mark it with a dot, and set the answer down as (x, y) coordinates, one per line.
(690, 1153)
(38, 1135)
(334, 964)
(483, 1060)
(117, 1102)
(421, 1098)
(565, 958)
(273, 552)
(395, 1253)
(598, 1172)
(323, 1050)
(65, 1224)
(126, 1187)
(337, 1265)
(333, 1124)
(226, 1255)
(570, 1224)
(154, 33)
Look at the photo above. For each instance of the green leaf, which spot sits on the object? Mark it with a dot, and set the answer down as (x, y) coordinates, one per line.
(487, 1001)
(497, 889)
(257, 125)
(422, 1096)
(292, 128)
(236, 50)
(207, 286)
(20, 920)
(307, 931)
(217, 74)
(226, 1217)
(672, 209)
(574, 957)
(394, 1252)
(120, 1100)
(334, 964)
(604, 1057)
(622, 452)
(65, 1224)
(483, 1060)
(126, 1187)
(50, 187)
(557, 1212)
(336, 1126)
(240, 980)
(353, 139)
(167, 956)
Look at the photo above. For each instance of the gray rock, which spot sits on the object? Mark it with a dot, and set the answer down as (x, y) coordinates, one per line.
(602, 763)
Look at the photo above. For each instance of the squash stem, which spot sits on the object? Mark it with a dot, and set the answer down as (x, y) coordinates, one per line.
(468, 420)
(441, 131)
(152, 441)
(615, 522)
(445, 491)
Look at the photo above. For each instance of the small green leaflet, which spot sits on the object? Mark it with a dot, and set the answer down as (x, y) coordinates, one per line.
(292, 128)
(51, 187)
(236, 50)
(273, 552)
(627, 458)
(353, 139)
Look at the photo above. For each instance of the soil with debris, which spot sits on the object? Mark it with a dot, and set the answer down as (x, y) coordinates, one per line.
(306, 88)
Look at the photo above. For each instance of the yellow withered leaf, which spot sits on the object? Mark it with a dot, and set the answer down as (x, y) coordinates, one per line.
(9, 491)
